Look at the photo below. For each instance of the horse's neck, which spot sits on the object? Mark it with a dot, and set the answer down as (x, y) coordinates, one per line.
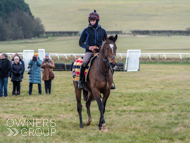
(102, 53)
(101, 64)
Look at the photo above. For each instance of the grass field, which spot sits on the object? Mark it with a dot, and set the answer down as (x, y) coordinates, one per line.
(148, 106)
(153, 44)
(125, 15)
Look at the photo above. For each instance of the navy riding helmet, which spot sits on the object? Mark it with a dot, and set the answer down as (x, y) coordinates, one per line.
(94, 16)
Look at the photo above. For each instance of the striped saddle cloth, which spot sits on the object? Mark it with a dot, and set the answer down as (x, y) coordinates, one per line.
(76, 68)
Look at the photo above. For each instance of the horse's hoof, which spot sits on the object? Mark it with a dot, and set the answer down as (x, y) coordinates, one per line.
(88, 122)
(104, 128)
(100, 128)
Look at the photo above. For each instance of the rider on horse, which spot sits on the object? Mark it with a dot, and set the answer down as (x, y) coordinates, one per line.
(90, 39)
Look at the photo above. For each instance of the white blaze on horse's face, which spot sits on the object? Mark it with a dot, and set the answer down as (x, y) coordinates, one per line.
(112, 46)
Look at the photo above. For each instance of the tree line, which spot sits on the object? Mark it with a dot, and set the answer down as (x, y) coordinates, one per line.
(17, 21)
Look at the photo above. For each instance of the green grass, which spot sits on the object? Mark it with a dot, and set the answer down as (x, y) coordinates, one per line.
(155, 44)
(125, 15)
(148, 106)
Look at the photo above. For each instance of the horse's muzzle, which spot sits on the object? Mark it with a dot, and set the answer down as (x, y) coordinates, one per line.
(113, 66)
(113, 62)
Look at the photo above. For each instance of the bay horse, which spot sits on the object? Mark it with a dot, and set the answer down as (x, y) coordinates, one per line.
(100, 79)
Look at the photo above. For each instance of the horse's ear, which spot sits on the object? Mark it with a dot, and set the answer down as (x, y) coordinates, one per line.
(115, 38)
(105, 38)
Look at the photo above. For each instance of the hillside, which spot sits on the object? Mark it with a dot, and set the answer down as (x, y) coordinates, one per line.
(60, 15)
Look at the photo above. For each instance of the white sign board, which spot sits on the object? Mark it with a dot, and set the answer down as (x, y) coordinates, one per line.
(41, 53)
(27, 56)
(133, 60)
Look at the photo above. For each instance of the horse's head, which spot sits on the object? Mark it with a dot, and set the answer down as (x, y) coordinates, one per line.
(108, 50)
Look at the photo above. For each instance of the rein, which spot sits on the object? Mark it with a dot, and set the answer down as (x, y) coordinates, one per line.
(105, 74)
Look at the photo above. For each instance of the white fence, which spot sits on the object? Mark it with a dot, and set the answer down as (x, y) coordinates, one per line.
(121, 55)
(166, 55)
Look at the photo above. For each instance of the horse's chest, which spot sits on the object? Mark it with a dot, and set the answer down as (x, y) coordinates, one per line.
(100, 82)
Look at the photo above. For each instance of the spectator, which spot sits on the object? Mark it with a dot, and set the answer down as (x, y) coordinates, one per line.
(23, 65)
(5, 67)
(6, 56)
(47, 66)
(35, 73)
(16, 75)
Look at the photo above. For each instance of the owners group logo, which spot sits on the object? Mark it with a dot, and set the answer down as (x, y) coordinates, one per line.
(34, 127)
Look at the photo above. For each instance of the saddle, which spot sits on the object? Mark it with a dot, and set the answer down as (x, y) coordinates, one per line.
(76, 68)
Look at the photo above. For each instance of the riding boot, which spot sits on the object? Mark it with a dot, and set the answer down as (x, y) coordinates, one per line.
(80, 83)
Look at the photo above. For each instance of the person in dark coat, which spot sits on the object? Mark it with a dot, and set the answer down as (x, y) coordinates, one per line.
(91, 37)
(23, 65)
(16, 75)
(5, 67)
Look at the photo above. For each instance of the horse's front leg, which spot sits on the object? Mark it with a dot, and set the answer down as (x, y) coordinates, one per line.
(105, 97)
(88, 103)
(79, 106)
(96, 94)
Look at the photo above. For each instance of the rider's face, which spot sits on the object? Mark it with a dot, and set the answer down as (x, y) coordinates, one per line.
(92, 22)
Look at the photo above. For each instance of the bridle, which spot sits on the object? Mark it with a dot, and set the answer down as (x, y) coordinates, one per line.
(108, 63)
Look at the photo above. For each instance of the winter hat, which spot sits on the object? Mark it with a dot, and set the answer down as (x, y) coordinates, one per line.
(3, 54)
(16, 58)
(47, 55)
(36, 54)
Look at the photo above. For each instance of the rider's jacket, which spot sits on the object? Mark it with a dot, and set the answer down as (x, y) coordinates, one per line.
(92, 37)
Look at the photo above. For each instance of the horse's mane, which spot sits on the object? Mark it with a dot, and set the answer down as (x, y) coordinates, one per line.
(112, 38)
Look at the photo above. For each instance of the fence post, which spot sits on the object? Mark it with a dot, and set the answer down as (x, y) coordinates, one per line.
(180, 57)
(66, 56)
(164, 55)
(57, 56)
(74, 55)
(120, 56)
(149, 56)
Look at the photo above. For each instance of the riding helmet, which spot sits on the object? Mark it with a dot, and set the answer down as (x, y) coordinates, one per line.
(93, 16)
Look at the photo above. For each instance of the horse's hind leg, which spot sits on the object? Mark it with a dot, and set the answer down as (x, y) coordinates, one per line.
(78, 98)
(88, 102)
